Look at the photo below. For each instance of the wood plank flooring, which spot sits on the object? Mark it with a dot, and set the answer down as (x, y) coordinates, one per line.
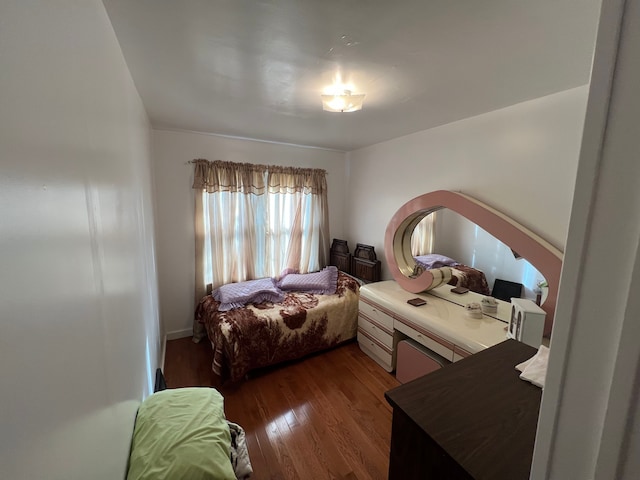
(323, 417)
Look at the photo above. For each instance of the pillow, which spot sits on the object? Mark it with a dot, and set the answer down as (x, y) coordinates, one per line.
(286, 272)
(323, 282)
(181, 433)
(236, 295)
(434, 260)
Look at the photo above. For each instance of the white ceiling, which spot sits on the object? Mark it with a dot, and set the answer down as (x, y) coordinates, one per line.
(257, 68)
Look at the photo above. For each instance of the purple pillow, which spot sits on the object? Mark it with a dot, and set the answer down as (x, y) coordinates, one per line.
(434, 260)
(236, 295)
(323, 282)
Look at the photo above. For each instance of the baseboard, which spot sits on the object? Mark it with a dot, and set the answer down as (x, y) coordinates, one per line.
(187, 332)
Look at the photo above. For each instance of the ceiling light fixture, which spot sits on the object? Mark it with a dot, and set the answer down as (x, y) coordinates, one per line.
(342, 102)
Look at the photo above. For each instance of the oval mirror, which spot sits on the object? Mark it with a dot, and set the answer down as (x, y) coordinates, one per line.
(545, 260)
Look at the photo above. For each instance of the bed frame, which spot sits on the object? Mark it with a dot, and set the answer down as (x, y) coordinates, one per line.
(339, 255)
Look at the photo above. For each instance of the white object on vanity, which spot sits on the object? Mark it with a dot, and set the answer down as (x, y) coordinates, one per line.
(526, 323)
(443, 327)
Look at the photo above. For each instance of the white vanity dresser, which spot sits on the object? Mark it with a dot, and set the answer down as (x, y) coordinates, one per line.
(457, 422)
(442, 326)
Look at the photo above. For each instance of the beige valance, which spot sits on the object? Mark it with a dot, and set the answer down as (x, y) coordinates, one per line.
(220, 176)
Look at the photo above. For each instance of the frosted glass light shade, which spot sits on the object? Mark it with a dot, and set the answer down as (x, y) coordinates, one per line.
(344, 102)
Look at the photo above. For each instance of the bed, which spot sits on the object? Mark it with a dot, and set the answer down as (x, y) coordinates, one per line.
(263, 334)
(462, 275)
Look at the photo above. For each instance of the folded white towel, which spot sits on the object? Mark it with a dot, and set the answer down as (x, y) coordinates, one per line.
(521, 366)
(534, 370)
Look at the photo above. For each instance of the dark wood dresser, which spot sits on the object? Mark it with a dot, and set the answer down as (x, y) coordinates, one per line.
(473, 419)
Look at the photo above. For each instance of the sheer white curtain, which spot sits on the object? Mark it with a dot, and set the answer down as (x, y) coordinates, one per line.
(253, 221)
(233, 226)
(298, 219)
(423, 236)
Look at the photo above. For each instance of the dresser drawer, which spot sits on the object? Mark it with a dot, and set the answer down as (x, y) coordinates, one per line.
(376, 315)
(376, 330)
(439, 347)
(381, 356)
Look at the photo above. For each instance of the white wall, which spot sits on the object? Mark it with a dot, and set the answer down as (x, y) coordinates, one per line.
(588, 426)
(175, 205)
(521, 160)
(79, 333)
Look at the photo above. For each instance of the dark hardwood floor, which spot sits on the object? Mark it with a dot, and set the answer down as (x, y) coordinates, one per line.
(323, 417)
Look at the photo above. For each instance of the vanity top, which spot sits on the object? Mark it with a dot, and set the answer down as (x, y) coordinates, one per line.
(441, 317)
(444, 292)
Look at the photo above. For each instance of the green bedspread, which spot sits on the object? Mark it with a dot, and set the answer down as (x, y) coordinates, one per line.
(181, 433)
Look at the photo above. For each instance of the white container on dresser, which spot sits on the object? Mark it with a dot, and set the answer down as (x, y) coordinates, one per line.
(442, 326)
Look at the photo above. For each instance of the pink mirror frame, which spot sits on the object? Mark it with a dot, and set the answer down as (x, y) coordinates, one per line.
(397, 244)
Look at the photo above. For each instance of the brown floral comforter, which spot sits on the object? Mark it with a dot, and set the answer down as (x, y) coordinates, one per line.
(260, 335)
(469, 277)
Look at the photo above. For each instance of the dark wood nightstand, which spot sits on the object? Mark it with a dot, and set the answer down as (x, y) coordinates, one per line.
(473, 419)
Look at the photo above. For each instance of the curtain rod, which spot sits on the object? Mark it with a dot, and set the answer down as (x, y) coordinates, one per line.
(196, 160)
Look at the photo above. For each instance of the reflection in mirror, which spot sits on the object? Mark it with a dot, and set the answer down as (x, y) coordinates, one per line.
(423, 235)
(477, 258)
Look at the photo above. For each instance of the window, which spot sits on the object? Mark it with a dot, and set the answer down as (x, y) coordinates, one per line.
(256, 221)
